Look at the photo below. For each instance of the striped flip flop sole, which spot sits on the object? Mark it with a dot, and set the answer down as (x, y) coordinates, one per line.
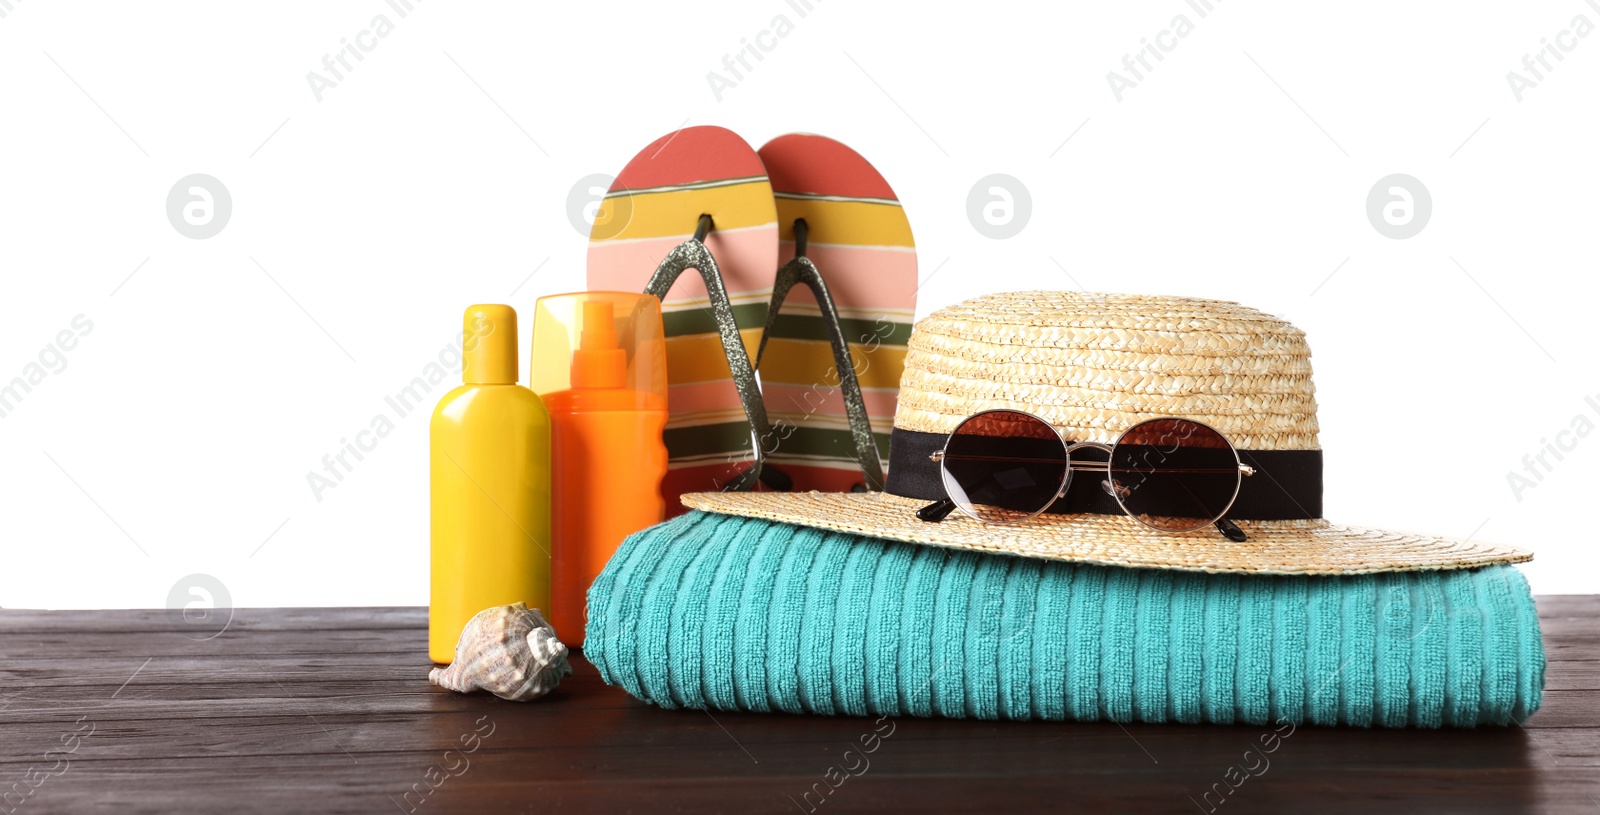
(861, 241)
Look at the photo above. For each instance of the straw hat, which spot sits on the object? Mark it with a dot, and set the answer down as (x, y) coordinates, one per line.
(1093, 365)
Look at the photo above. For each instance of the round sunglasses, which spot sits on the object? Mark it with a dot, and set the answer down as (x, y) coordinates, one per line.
(1170, 474)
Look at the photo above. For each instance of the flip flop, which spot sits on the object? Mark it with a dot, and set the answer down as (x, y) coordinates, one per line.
(854, 251)
(698, 198)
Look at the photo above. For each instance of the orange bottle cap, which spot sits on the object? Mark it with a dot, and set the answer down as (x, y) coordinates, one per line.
(600, 341)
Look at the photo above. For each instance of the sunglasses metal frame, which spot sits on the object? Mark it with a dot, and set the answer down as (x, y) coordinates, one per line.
(938, 511)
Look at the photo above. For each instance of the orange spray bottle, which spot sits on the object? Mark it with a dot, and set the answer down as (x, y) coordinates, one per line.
(599, 365)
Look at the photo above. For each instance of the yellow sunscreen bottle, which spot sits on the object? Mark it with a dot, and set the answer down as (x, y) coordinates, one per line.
(489, 445)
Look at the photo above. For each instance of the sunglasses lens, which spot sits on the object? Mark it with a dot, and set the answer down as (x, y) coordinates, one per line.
(1004, 466)
(1174, 475)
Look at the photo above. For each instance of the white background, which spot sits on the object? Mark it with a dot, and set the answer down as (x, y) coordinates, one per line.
(178, 437)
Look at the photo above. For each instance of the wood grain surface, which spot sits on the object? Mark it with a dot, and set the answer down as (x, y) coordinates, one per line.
(329, 710)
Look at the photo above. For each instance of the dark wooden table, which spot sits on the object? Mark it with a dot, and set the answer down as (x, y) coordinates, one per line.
(305, 710)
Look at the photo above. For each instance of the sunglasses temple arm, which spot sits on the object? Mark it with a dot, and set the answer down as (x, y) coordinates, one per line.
(936, 511)
(1230, 531)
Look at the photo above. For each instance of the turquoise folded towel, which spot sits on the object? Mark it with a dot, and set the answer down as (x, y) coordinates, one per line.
(729, 613)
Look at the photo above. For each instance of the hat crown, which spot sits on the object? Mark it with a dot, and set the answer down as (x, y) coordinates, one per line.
(1095, 364)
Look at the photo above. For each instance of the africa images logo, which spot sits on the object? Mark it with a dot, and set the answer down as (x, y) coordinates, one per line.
(1537, 63)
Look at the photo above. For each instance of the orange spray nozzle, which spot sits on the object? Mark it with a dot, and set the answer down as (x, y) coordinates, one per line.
(599, 362)
(599, 333)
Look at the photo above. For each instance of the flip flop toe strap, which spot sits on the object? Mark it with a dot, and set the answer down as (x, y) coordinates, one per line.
(692, 254)
(802, 270)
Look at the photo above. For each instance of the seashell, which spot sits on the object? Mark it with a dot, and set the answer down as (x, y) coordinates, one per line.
(509, 651)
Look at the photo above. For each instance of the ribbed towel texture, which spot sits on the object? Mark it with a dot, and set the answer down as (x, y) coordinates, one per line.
(723, 612)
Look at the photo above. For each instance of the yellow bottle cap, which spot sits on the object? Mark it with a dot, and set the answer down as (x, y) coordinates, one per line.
(489, 345)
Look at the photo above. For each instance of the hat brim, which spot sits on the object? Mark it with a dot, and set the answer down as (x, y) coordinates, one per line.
(1305, 547)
